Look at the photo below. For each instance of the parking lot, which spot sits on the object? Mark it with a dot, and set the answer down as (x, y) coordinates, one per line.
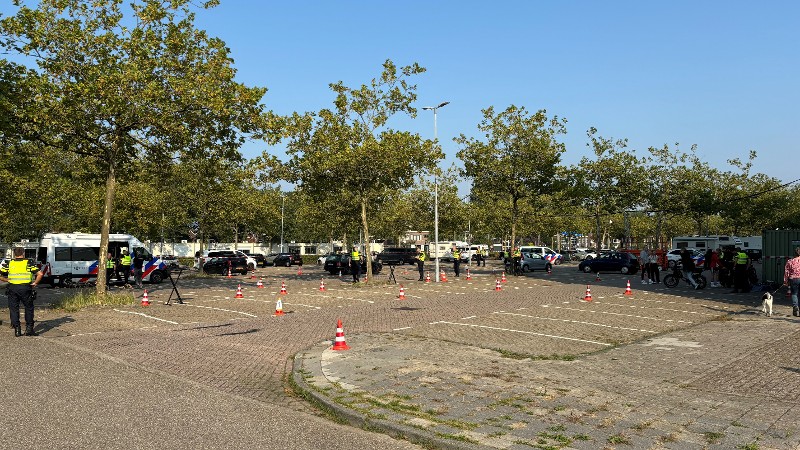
(240, 346)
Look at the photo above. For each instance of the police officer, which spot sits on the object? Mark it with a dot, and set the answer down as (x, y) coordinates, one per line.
(355, 264)
(138, 268)
(740, 282)
(517, 258)
(420, 263)
(456, 260)
(125, 264)
(19, 274)
(109, 268)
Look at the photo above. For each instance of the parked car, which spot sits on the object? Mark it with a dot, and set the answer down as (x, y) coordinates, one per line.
(611, 262)
(532, 261)
(321, 259)
(251, 262)
(555, 257)
(463, 255)
(674, 256)
(340, 263)
(585, 253)
(398, 255)
(219, 265)
(261, 260)
(287, 259)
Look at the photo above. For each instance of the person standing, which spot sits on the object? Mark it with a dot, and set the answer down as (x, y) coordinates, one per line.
(713, 265)
(456, 260)
(644, 262)
(138, 268)
(125, 266)
(421, 263)
(740, 283)
(791, 279)
(484, 255)
(19, 273)
(688, 265)
(653, 269)
(355, 264)
(110, 264)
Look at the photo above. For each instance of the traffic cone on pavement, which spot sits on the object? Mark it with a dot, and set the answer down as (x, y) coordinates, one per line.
(628, 288)
(339, 343)
(443, 277)
(497, 285)
(402, 295)
(597, 277)
(549, 270)
(469, 277)
(322, 284)
(283, 288)
(145, 299)
(503, 277)
(300, 271)
(260, 283)
(230, 275)
(279, 308)
(239, 292)
(588, 296)
(427, 277)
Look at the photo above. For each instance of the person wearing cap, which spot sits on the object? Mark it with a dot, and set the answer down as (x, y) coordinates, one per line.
(22, 277)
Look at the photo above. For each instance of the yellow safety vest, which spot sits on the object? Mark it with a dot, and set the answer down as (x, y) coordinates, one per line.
(110, 264)
(421, 257)
(741, 258)
(355, 256)
(456, 254)
(517, 254)
(20, 271)
(126, 260)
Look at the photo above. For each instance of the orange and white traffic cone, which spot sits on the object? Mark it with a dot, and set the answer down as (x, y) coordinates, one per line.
(597, 277)
(300, 271)
(427, 277)
(322, 284)
(588, 296)
(549, 270)
(339, 343)
(279, 308)
(239, 292)
(230, 275)
(283, 288)
(497, 286)
(469, 277)
(402, 295)
(253, 275)
(260, 283)
(145, 299)
(503, 277)
(628, 288)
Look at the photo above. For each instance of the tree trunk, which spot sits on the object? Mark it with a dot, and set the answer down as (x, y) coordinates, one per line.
(366, 237)
(514, 211)
(598, 236)
(108, 205)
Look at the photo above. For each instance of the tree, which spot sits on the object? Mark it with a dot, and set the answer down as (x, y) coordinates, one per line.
(123, 84)
(517, 162)
(349, 152)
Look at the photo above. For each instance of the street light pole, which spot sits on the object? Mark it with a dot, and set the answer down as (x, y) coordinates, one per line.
(436, 191)
(283, 204)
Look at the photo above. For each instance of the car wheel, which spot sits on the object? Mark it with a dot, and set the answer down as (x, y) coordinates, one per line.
(251, 266)
(243, 272)
(587, 269)
(525, 268)
(671, 264)
(624, 270)
(588, 258)
(288, 264)
(156, 277)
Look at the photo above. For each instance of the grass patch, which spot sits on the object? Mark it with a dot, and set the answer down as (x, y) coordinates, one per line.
(750, 446)
(619, 438)
(713, 437)
(82, 300)
(642, 425)
(520, 356)
(457, 437)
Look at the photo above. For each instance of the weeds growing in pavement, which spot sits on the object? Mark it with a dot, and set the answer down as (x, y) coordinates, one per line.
(80, 300)
(713, 437)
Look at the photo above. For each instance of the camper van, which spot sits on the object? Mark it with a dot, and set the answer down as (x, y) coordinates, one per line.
(703, 243)
(75, 256)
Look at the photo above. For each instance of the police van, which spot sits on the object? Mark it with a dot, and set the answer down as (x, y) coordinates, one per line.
(69, 257)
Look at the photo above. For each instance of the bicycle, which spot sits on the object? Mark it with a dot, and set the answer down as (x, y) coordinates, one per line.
(676, 276)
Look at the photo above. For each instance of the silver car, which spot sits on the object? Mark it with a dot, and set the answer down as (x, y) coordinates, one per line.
(534, 261)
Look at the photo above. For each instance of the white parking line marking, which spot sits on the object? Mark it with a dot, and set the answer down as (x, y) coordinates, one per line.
(222, 309)
(623, 315)
(575, 321)
(659, 308)
(403, 328)
(522, 332)
(145, 315)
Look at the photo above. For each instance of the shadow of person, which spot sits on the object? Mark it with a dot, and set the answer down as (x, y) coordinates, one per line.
(47, 325)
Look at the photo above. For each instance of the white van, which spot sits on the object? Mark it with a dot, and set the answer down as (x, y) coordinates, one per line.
(67, 256)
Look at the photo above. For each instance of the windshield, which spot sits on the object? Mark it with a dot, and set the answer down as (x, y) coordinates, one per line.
(141, 251)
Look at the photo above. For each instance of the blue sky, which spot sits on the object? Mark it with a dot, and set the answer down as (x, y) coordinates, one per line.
(719, 74)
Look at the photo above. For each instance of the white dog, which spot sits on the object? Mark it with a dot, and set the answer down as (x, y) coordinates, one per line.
(766, 307)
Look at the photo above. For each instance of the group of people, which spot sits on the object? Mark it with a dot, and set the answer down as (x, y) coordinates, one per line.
(121, 268)
(648, 262)
(730, 267)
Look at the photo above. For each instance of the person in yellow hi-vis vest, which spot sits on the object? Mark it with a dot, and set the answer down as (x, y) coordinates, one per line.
(125, 266)
(420, 263)
(19, 273)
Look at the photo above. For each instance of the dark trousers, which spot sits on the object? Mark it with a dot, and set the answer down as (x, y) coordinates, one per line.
(421, 268)
(653, 270)
(137, 277)
(457, 266)
(20, 293)
(355, 269)
(126, 272)
(740, 282)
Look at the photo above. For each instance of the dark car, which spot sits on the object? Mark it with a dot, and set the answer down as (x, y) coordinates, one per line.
(261, 260)
(611, 262)
(287, 259)
(398, 255)
(336, 264)
(220, 265)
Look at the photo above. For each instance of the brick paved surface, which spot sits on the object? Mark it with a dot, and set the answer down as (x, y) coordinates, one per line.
(451, 363)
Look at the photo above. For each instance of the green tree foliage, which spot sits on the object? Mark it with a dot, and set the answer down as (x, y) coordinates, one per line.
(350, 149)
(517, 162)
(121, 84)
